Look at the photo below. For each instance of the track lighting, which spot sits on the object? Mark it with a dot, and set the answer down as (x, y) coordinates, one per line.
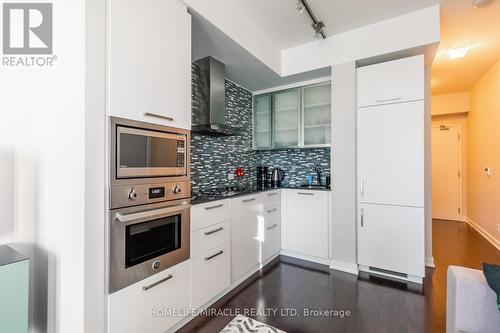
(299, 7)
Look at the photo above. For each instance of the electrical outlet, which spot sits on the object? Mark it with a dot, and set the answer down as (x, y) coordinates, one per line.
(230, 176)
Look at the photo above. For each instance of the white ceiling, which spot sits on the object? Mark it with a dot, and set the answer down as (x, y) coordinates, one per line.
(287, 28)
(241, 66)
(461, 24)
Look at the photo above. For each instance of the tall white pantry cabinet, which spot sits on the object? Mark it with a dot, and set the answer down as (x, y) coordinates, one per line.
(390, 168)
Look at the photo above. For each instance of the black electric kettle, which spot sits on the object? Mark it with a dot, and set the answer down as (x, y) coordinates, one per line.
(277, 177)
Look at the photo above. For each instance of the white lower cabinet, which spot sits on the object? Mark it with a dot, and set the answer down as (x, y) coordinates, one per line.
(210, 275)
(391, 238)
(306, 229)
(271, 244)
(247, 226)
(145, 305)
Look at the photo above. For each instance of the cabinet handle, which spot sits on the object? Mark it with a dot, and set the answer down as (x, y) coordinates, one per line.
(213, 207)
(214, 255)
(271, 194)
(362, 188)
(272, 227)
(272, 210)
(213, 231)
(388, 99)
(169, 276)
(305, 193)
(248, 200)
(149, 114)
(362, 217)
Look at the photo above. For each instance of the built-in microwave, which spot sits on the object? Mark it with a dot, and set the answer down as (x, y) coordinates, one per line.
(143, 150)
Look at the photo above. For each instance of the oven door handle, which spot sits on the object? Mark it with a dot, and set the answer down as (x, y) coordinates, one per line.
(125, 218)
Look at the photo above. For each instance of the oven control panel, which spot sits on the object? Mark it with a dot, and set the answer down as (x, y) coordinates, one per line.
(141, 194)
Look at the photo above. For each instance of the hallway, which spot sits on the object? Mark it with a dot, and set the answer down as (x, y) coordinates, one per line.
(453, 243)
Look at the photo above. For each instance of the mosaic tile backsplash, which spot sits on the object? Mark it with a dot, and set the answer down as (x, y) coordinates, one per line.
(214, 158)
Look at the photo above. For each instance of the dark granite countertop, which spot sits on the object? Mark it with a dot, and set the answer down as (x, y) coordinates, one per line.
(204, 197)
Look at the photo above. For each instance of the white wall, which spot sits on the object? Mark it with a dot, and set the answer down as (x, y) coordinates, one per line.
(429, 259)
(451, 103)
(43, 127)
(232, 20)
(399, 33)
(343, 160)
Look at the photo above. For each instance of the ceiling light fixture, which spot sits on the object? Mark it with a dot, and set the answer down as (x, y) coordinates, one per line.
(299, 7)
(480, 3)
(458, 52)
(317, 25)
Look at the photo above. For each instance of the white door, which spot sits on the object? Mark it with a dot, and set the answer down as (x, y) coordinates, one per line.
(391, 238)
(391, 154)
(446, 173)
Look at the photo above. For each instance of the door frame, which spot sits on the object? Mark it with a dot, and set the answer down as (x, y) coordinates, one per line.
(460, 166)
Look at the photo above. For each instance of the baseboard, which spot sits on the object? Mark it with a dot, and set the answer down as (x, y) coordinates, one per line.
(318, 260)
(483, 233)
(429, 262)
(347, 267)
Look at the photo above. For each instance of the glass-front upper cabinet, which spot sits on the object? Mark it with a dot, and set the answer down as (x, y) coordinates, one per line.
(293, 118)
(262, 121)
(286, 118)
(317, 114)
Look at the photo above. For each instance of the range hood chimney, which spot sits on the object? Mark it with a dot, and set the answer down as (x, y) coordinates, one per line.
(209, 109)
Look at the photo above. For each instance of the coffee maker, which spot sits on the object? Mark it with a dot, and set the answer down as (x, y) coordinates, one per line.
(262, 177)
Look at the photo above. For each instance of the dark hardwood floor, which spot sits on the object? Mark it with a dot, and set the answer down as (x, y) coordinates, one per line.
(374, 304)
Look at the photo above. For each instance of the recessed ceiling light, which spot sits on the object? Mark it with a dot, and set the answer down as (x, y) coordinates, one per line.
(458, 52)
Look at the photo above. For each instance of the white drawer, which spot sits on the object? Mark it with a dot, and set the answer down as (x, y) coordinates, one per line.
(204, 215)
(271, 198)
(210, 275)
(272, 214)
(272, 240)
(207, 238)
(131, 309)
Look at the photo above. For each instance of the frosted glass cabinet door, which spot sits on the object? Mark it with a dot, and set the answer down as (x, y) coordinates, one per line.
(262, 121)
(286, 118)
(317, 114)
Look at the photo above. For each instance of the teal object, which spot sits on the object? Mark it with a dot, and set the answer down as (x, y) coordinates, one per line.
(14, 291)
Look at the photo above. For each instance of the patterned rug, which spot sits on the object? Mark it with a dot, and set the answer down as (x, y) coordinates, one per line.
(242, 324)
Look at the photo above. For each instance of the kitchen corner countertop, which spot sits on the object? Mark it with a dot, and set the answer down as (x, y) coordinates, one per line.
(204, 197)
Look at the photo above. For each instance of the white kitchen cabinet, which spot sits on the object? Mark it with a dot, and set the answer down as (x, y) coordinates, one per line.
(210, 213)
(247, 226)
(307, 222)
(133, 309)
(262, 121)
(271, 198)
(149, 61)
(395, 81)
(317, 114)
(210, 274)
(286, 118)
(391, 154)
(391, 238)
(271, 244)
(208, 238)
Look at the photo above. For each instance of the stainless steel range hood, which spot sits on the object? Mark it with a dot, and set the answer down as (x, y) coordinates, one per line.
(209, 107)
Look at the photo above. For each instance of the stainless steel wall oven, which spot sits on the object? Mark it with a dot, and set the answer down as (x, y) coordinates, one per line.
(149, 200)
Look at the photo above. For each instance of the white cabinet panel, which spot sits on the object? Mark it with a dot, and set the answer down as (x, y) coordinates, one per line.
(317, 114)
(204, 215)
(205, 239)
(391, 238)
(391, 82)
(307, 222)
(131, 309)
(271, 244)
(247, 226)
(262, 121)
(149, 61)
(210, 275)
(391, 154)
(271, 198)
